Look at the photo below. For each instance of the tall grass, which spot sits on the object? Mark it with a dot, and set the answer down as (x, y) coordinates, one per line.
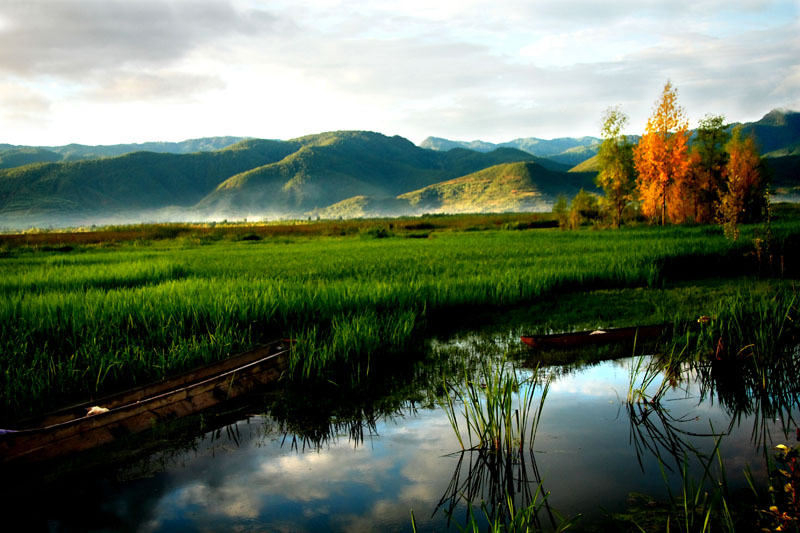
(97, 319)
(744, 353)
(497, 407)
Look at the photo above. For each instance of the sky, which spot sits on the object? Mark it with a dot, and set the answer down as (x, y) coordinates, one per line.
(108, 71)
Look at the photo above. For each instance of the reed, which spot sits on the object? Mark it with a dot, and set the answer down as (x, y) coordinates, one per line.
(518, 518)
(497, 407)
(99, 317)
(701, 505)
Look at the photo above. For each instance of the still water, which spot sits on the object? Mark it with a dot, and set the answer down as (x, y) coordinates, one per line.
(368, 469)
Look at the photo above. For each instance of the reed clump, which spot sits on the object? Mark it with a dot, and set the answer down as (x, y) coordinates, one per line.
(497, 407)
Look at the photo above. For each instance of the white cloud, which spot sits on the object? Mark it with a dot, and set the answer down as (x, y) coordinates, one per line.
(467, 70)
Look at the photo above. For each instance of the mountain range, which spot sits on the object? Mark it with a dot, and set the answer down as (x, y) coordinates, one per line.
(331, 175)
(15, 156)
(566, 150)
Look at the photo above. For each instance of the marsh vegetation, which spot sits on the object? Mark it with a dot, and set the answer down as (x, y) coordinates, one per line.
(85, 314)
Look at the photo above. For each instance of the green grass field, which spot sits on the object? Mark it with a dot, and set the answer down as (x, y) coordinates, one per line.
(85, 316)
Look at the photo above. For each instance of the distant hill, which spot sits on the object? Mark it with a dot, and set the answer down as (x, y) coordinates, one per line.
(333, 174)
(253, 178)
(365, 207)
(442, 145)
(332, 167)
(135, 181)
(590, 165)
(792, 149)
(778, 129)
(785, 175)
(566, 150)
(523, 186)
(520, 186)
(777, 135)
(15, 156)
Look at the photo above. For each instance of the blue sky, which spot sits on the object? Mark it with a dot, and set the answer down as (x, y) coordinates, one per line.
(102, 72)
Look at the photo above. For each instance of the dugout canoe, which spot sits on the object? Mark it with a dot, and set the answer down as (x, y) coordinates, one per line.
(596, 337)
(70, 430)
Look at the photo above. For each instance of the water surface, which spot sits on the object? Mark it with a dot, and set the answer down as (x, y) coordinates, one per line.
(368, 469)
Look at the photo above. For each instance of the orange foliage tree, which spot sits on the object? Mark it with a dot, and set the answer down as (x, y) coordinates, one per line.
(743, 197)
(662, 162)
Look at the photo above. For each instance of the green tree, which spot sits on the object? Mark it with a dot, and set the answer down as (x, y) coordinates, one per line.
(617, 175)
(583, 208)
(708, 161)
(561, 211)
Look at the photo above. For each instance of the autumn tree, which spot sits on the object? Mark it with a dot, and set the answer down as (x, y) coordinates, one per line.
(616, 176)
(708, 159)
(743, 195)
(661, 160)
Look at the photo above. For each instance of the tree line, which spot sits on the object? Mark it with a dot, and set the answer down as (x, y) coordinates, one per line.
(665, 178)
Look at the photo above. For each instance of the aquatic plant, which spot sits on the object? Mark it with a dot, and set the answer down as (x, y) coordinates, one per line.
(701, 503)
(497, 407)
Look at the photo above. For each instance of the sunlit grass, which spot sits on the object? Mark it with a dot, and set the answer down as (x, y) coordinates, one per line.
(94, 319)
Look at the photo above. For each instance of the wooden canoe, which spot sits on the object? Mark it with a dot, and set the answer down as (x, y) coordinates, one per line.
(588, 338)
(71, 430)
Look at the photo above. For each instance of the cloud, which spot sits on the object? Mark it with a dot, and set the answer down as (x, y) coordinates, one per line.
(72, 39)
(460, 69)
(20, 102)
(163, 85)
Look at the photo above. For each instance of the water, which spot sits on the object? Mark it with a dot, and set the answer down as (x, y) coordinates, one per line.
(365, 468)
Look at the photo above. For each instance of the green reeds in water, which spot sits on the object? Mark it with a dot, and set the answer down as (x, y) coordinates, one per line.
(523, 518)
(497, 407)
(744, 325)
(704, 503)
(344, 349)
(643, 377)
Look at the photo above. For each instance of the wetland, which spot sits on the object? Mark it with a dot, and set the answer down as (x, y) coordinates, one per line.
(390, 332)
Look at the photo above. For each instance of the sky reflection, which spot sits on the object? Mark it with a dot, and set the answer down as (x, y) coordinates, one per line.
(251, 476)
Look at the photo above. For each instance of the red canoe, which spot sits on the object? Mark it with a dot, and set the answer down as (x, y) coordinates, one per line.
(587, 338)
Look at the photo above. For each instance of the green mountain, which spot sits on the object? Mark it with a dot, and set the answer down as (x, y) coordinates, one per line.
(590, 165)
(568, 151)
(792, 149)
(522, 186)
(575, 156)
(332, 167)
(365, 207)
(15, 156)
(20, 156)
(778, 129)
(135, 181)
(784, 173)
(346, 173)
(443, 145)
(251, 178)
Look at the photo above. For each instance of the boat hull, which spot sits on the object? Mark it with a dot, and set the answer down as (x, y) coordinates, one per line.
(69, 430)
(589, 338)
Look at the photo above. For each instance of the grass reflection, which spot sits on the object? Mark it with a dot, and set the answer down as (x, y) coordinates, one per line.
(745, 358)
